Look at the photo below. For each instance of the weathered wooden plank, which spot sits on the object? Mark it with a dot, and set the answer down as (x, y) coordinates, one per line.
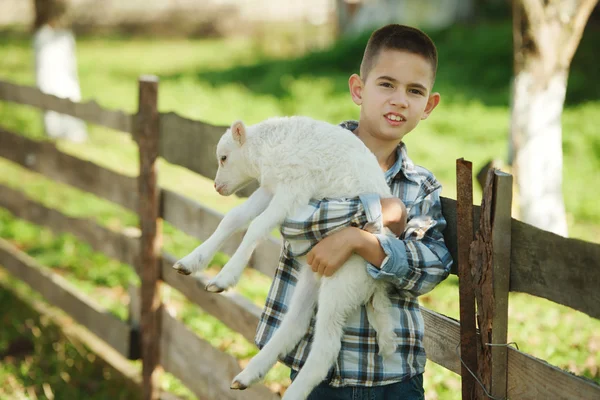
(501, 239)
(147, 136)
(89, 111)
(468, 330)
(118, 246)
(192, 144)
(44, 157)
(532, 379)
(197, 220)
(565, 271)
(205, 370)
(481, 259)
(233, 309)
(442, 340)
(60, 293)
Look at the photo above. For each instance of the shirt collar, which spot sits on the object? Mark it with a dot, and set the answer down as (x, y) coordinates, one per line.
(403, 163)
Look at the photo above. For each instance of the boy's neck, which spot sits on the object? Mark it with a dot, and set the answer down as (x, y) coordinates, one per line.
(385, 151)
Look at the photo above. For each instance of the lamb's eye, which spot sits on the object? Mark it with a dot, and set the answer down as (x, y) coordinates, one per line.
(223, 159)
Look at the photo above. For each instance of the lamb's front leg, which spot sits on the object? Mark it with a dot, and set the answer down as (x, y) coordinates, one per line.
(233, 221)
(284, 202)
(293, 327)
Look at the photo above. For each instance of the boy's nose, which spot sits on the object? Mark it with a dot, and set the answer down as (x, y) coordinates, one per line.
(399, 99)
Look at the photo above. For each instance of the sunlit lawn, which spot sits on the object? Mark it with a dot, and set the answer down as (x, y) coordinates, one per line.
(203, 80)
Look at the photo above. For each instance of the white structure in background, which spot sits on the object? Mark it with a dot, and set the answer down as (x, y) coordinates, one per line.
(56, 73)
(356, 16)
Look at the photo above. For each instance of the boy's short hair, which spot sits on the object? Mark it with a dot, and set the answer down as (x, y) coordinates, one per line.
(398, 37)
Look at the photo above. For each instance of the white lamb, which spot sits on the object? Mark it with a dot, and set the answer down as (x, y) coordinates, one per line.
(296, 159)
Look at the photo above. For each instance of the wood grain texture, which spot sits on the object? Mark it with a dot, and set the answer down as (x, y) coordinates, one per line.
(192, 144)
(465, 231)
(481, 260)
(88, 111)
(147, 138)
(45, 158)
(60, 293)
(565, 271)
(442, 340)
(501, 242)
(115, 245)
(205, 370)
(532, 379)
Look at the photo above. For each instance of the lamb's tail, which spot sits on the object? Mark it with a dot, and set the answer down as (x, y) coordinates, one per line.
(380, 318)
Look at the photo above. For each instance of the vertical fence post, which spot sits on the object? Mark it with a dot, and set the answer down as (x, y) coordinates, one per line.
(465, 234)
(146, 134)
(490, 260)
(501, 239)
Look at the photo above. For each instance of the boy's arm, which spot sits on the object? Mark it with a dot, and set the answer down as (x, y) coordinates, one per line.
(419, 260)
(416, 263)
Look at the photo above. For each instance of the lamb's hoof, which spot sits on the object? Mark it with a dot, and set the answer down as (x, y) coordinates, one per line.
(237, 386)
(211, 287)
(181, 269)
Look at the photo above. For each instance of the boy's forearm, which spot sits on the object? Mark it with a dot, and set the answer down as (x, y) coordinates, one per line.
(367, 246)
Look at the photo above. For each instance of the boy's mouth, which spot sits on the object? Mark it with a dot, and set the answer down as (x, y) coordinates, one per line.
(395, 118)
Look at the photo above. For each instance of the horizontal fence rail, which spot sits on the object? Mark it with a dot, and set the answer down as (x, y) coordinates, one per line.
(565, 271)
(88, 111)
(43, 157)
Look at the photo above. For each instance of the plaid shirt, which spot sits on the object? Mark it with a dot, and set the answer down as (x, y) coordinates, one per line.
(415, 263)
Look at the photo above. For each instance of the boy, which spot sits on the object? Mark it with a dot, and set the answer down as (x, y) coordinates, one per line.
(394, 93)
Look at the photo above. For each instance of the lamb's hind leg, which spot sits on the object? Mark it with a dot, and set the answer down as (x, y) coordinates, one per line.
(284, 202)
(294, 325)
(335, 305)
(380, 317)
(234, 220)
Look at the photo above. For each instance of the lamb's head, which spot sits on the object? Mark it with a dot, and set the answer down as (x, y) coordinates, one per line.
(234, 166)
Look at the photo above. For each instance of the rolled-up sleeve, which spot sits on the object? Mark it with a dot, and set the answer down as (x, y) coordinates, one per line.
(419, 260)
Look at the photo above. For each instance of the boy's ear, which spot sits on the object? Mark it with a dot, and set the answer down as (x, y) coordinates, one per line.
(432, 102)
(238, 131)
(356, 86)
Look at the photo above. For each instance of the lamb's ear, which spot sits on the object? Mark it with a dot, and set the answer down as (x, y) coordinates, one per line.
(238, 131)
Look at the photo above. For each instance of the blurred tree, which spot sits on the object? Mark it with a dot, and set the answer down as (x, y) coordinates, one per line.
(56, 66)
(546, 34)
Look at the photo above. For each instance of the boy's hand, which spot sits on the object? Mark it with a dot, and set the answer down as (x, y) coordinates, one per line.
(327, 256)
(394, 215)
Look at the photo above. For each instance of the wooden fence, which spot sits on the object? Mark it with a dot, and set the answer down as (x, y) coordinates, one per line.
(511, 255)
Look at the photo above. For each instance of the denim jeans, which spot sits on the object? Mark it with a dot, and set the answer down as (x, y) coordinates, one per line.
(411, 389)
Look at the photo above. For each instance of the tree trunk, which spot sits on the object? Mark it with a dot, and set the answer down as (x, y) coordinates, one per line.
(546, 35)
(56, 67)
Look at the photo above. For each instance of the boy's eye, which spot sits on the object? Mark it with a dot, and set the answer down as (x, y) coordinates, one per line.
(386, 84)
(416, 91)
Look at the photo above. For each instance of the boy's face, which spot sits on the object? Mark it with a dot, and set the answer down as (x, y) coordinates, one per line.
(395, 95)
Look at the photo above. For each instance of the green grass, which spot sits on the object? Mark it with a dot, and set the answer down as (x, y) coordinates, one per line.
(39, 361)
(222, 80)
